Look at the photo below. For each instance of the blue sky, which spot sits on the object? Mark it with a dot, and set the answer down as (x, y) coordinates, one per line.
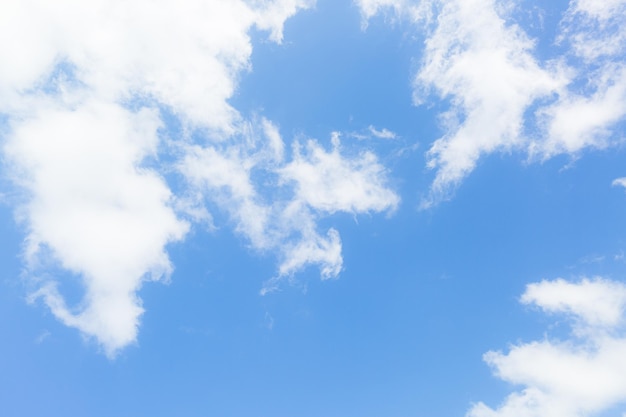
(313, 208)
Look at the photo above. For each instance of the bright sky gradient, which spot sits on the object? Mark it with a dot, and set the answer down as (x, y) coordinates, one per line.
(342, 208)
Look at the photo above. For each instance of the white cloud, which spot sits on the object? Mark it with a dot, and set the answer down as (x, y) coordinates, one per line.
(281, 212)
(414, 10)
(329, 182)
(576, 122)
(583, 375)
(119, 50)
(224, 176)
(585, 117)
(371, 132)
(273, 14)
(486, 67)
(185, 54)
(619, 182)
(598, 303)
(502, 97)
(595, 28)
(604, 10)
(369, 8)
(82, 90)
(95, 209)
(381, 133)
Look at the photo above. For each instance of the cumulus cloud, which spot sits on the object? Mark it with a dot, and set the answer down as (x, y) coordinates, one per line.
(502, 97)
(486, 67)
(83, 87)
(95, 210)
(598, 303)
(583, 375)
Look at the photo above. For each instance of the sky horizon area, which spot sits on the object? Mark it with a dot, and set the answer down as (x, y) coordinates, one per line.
(313, 208)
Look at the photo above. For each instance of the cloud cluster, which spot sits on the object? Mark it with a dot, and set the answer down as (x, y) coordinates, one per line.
(312, 183)
(86, 93)
(502, 96)
(583, 375)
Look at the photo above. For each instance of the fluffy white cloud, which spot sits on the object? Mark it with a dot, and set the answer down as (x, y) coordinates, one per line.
(94, 209)
(581, 119)
(502, 97)
(581, 376)
(185, 54)
(597, 303)
(576, 122)
(82, 85)
(330, 182)
(281, 213)
(485, 66)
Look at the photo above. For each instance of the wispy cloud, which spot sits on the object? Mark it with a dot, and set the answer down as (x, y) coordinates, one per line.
(621, 182)
(371, 132)
(414, 10)
(42, 337)
(583, 375)
(281, 213)
(594, 29)
(381, 133)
